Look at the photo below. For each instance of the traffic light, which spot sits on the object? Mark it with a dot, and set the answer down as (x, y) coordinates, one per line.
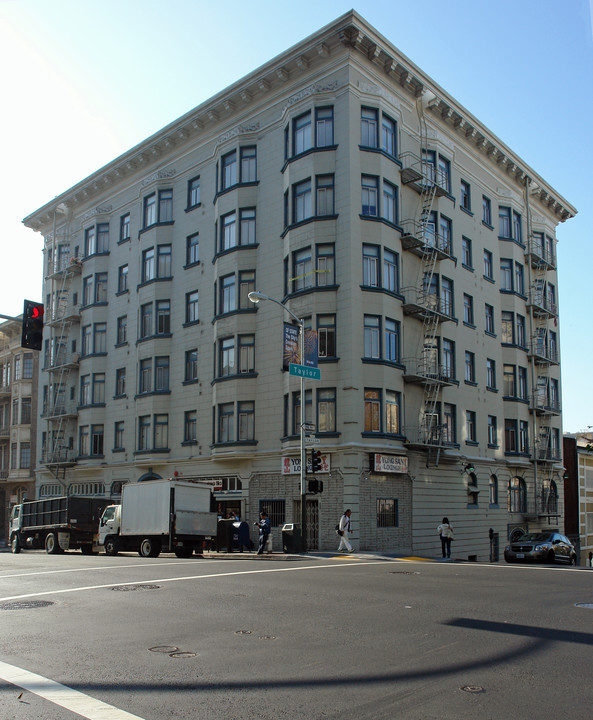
(316, 461)
(32, 329)
(315, 486)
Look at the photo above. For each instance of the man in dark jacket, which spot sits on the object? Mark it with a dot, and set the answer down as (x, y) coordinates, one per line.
(265, 528)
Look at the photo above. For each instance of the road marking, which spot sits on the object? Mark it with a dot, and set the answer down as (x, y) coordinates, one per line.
(58, 694)
(63, 591)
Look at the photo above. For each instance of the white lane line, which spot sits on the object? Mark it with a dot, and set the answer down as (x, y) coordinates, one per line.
(63, 591)
(77, 702)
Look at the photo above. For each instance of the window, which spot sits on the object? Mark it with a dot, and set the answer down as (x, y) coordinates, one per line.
(372, 411)
(85, 390)
(165, 206)
(324, 265)
(248, 164)
(392, 412)
(522, 383)
(118, 435)
(470, 367)
(120, 382)
(390, 271)
(468, 309)
(302, 275)
(302, 209)
(229, 170)
(370, 265)
(228, 231)
(191, 365)
(507, 328)
(124, 228)
(191, 307)
(370, 195)
(87, 290)
(226, 431)
(148, 265)
(163, 317)
(324, 126)
(504, 223)
(101, 287)
(190, 427)
(326, 336)
(227, 294)
(193, 249)
(100, 338)
(326, 410)
(97, 439)
(466, 252)
(389, 202)
(324, 195)
(26, 411)
(493, 491)
(447, 306)
(488, 265)
(122, 278)
(226, 364)
(446, 235)
(511, 444)
(247, 226)
(158, 208)
(246, 354)
(122, 329)
(276, 510)
(145, 376)
(27, 367)
(517, 231)
(146, 321)
(369, 127)
(163, 269)
(392, 340)
(387, 513)
(519, 283)
(449, 359)
(449, 424)
(144, 432)
(486, 211)
(161, 432)
(96, 240)
(246, 285)
(470, 426)
(161, 374)
(465, 196)
(98, 388)
(246, 418)
(83, 441)
(193, 193)
(490, 374)
(444, 173)
(302, 139)
(389, 136)
(517, 497)
(372, 336)
(489, 319)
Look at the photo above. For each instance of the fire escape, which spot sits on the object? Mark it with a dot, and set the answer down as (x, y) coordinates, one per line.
(59, 406)
(543, 353)
(423, 300)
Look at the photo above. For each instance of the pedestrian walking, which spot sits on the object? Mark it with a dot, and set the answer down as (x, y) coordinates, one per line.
(265, 528)
(445, 530)
(344, 531)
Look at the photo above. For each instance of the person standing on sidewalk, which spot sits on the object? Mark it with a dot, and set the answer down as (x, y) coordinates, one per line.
(445, 530)
(344, 531)
(265, 528)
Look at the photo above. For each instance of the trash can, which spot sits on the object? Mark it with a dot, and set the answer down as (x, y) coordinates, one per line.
(224, 535)
(241, 537)
(291, 538)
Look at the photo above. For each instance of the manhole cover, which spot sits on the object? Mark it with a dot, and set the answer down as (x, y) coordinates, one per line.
(129, 588)
(182, 654)
(267, 637)
(243, 632)
(585, 605)
(472, 689)
(25, 605)
(403, 572)
(168, 649)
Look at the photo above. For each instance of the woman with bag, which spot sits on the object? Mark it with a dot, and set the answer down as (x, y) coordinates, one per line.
(445, 530)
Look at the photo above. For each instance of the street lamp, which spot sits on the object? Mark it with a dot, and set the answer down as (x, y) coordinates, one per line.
(255, 297)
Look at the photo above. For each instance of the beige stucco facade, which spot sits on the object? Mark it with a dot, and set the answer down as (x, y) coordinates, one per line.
(343, 182)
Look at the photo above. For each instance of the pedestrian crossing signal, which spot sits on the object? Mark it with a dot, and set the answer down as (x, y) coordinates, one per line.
(32, 327)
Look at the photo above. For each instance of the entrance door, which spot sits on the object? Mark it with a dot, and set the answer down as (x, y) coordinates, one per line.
(312, 525)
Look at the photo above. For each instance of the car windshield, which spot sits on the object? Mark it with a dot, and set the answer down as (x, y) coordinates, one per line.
(535, 537)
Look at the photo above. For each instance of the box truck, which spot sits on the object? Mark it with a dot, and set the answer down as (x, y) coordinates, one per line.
(159, 516)
(57, 523)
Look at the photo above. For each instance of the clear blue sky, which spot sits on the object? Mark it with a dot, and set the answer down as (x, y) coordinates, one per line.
(85, 80)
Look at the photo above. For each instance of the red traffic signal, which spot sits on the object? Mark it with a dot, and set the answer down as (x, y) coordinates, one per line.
(32, 327)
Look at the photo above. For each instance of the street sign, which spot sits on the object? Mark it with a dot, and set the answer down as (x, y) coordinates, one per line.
(309, 427)
(303, 371)
(312, 440)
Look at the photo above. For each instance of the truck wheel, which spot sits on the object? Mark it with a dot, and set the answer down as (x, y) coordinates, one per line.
(52, 546)
(111, 545)
(15, 544)
(184, 552)
(149, 548)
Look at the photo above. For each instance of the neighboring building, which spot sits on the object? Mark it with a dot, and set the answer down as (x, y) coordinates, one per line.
(342, 181)
(19, 371)
(578, 493)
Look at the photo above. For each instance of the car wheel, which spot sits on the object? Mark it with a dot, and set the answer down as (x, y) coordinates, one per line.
(52, 546)
(111, 545)
(149, 548)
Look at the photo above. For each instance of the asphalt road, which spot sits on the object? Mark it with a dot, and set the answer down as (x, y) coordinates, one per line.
(323, 637)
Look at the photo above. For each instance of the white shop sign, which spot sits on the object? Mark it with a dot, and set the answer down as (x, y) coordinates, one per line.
(292, 466)
(390, 463)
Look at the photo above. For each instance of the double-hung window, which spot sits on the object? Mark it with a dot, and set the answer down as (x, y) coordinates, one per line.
(370, 191)
(248, 164)
(369, 127)
(193, 193)
(228, 294)
(392, 340)
(228, 231)
(324, 126)
(191, 307)
(326, 336)
(370, 265)
(388, 136)
(302, 208)
(372, 336)
(193, 249)
(229, 170)
(302, 133)
(247, 226)
(324, 195)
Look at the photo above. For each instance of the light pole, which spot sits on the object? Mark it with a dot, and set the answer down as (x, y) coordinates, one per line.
(255, 297)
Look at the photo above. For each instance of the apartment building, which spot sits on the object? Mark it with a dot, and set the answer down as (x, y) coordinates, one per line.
(19, 370)
(341, 181)
(578, 493)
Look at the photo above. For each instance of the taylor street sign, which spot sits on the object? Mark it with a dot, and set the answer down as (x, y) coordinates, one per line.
(312, 440)
(303, 371)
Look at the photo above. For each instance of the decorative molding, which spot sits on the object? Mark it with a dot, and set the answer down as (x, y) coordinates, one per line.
(239, 130)
(96, 211)
(159, 175)
(311, 90)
